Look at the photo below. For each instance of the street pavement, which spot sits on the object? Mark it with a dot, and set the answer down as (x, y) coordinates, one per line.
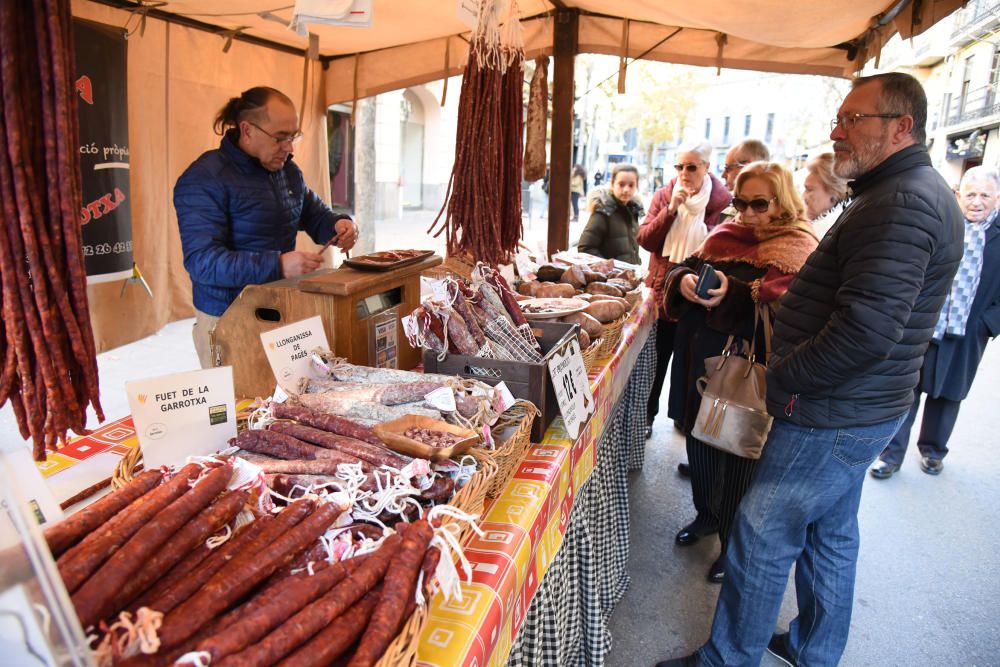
(925, 591)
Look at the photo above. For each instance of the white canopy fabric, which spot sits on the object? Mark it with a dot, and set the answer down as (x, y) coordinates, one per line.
(416, 41)
(179, 75)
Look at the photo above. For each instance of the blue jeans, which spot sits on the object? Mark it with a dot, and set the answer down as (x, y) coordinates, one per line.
(802, 507)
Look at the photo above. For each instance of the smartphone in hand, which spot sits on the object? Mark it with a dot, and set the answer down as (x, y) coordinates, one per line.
(707, 279)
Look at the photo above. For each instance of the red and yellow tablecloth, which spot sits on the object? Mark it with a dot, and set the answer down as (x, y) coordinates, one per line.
(524, 527)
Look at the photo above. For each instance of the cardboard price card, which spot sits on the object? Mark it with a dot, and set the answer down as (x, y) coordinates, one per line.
(288, 347)
(569, 379)
(183, 414)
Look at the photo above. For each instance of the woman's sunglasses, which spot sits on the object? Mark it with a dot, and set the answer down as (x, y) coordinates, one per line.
(758, 205)
(690, 167)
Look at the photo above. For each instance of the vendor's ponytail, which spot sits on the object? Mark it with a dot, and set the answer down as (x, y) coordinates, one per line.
(250, 102)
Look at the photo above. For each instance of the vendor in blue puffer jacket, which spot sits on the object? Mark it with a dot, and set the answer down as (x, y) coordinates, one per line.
(240, 206)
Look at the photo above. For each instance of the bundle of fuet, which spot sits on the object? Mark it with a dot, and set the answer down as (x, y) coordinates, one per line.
(480, 318)
(175, 568)
(303, 451)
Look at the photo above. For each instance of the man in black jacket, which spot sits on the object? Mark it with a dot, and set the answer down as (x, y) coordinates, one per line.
(849, 339)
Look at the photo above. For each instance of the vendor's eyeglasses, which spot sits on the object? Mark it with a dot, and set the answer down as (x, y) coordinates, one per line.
(690, 167)
(759, 205)
(278, 139)
(852, 119)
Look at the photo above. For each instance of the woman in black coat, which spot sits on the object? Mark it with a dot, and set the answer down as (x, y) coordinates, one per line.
(614, 218)
(963, 331)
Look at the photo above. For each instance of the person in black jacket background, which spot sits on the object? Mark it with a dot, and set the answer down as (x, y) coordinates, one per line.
(849, 341)
(614, 218)
(970, 317)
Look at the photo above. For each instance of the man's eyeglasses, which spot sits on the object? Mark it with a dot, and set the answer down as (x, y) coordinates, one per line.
(732, 167)
(759, 205)
(278, 139)
(690, 167)
(851, 120)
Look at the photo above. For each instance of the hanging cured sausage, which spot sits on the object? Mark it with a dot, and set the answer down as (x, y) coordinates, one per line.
(49, 366)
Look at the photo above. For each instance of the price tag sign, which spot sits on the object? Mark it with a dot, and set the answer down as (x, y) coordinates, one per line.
(569, 378)
(183, 414)
(288, 350)
(442, 398)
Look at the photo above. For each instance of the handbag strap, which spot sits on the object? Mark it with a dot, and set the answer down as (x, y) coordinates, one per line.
(765, 313)
(761, 312)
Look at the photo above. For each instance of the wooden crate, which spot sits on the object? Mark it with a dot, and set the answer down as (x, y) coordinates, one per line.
(331, 294)
(525, 380)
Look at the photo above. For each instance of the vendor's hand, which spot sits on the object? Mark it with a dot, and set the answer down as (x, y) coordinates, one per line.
(347, 233)
(679, 198)
(297, 263)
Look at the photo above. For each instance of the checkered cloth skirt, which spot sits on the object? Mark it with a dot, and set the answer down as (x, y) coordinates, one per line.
(567, 622)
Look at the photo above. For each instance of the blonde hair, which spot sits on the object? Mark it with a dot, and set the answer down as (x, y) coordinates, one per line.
(822, 166)
(791, 208)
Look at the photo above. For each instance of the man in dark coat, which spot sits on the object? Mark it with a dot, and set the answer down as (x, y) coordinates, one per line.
(849, 339)
(240, 207)
(971, 317)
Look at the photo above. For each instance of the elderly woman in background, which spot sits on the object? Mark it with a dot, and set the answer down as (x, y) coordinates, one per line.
(755, 255)
(824, 193)
(969, 319)
(680, 216)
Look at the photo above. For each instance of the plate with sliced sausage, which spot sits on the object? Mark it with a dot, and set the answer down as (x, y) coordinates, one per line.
(387, 260)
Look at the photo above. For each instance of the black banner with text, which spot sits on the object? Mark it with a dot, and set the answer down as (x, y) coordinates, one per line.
(106, 214)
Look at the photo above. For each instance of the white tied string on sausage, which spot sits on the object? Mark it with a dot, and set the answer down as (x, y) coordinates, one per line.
(446, 539)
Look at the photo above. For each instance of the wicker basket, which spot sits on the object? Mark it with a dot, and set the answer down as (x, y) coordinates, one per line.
(460, 266)
(611, 336)
(126, 469)
(508, 456)
(592, 353)
(637, 292)
(471, 498)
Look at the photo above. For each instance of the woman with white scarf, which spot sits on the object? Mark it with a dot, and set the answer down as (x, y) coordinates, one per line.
(680, 216)
(969, 319)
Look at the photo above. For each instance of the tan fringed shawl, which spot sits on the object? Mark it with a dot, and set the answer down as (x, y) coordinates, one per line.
(782, 249)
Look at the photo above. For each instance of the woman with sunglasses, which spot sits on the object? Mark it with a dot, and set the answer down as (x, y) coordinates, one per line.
(755, 256)
(680, 215)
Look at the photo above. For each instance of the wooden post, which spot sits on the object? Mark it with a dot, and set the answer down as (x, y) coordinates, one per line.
(364, 175)
(561, 149)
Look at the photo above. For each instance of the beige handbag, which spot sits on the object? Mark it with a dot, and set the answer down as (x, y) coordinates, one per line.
(733, 415)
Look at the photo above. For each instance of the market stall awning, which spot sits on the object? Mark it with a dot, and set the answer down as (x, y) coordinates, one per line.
(422, 40)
